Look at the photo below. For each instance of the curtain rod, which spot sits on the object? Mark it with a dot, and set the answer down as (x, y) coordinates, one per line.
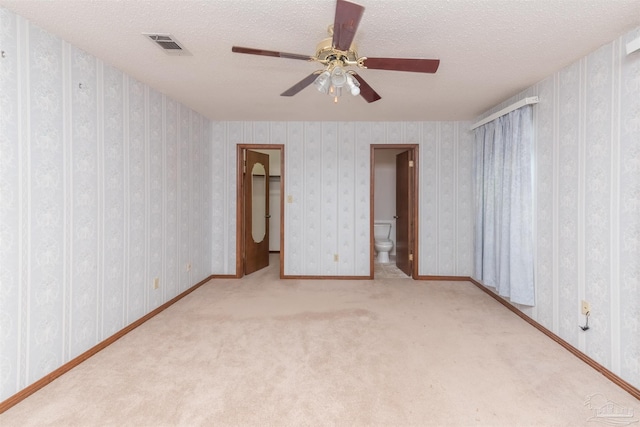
(633, 46)
(510, 108)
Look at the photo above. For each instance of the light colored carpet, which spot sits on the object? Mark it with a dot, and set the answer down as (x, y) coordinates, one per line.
(267, 352)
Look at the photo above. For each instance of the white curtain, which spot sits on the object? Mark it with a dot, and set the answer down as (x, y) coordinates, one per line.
(503, 244)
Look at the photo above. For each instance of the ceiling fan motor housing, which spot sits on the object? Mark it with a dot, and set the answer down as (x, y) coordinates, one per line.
(327, 54)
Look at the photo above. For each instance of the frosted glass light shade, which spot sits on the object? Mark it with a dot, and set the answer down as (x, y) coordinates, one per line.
(338, 77)
(323, 82)
(353, 85)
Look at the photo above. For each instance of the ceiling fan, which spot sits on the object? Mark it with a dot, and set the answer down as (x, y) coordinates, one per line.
(336, 53)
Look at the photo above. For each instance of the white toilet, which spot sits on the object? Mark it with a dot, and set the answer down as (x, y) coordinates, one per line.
(381, 241)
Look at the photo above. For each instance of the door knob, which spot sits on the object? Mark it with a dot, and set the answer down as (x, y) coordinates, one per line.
(396, 216)
(267, 216)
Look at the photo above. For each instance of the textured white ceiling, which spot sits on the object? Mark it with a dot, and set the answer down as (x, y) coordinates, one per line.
(489, 50)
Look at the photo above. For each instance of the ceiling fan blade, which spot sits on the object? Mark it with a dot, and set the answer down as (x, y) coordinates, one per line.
(403, 64)
(345, 24)
(263, 52)
(300, 85)
(366, 91)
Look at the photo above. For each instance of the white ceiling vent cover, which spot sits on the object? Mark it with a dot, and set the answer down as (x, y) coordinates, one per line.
(167, 43)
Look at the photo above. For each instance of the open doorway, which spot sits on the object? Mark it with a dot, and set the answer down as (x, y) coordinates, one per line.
(394, 211)
(260, 208)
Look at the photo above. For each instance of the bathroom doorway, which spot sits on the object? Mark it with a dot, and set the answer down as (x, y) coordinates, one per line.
(394, 209)
(260, 208)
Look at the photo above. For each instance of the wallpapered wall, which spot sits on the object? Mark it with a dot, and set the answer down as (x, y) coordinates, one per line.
(588, 205)
(104, 186)
(327, 173)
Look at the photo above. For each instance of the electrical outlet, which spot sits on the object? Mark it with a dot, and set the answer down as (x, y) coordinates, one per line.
(156, 283)
(335, 257)
(188, 266)
(289, 199)
(585, 307)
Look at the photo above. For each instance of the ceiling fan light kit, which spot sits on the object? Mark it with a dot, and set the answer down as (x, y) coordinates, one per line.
(337, 52)
(331, 83)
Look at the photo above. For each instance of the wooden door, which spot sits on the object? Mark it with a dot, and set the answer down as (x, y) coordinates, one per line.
(404, 209)
(255, 182)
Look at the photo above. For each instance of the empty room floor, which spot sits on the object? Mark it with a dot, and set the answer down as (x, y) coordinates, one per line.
(389, 352)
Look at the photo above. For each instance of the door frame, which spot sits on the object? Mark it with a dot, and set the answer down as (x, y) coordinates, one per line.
(414, 192)
(240, 208)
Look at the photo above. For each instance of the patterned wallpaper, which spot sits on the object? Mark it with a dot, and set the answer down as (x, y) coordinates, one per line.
(588, 205)
(327, 174)
(104, 186)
